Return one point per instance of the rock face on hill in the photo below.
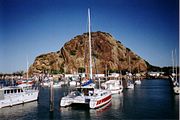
(107, 53)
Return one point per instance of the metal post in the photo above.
(51, 96)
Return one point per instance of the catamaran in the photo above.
(87, 94)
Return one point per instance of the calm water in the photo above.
(153, 99)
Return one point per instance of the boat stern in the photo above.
(65, 102)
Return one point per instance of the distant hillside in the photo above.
(74, 56)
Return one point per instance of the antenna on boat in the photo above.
(90, 57)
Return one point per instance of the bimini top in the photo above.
(87, 83)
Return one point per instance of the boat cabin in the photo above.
(86, 90)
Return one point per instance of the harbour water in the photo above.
(153, 99)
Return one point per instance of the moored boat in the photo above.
(87, 95)
(20, 94)
(115, 86)
(130, 85)
(137, 82)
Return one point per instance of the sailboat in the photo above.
(130, 84)
(87, 94)
(174, 78)
(26, 80)
(138, 75)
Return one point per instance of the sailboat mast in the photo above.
(175, 63)
(129, 64)
(90, 57)
(172, 62)
(27, 75)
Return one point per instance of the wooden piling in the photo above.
(51, 97)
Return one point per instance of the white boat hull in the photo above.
(96, 103)
(176, 90)
(138, 82)
(113, 85)
(19, 98)
(130, 86)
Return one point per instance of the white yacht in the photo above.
(115, 86)
(14, 95)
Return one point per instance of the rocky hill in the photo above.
(74, 56)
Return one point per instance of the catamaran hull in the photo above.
(96, 103)
(93, 102)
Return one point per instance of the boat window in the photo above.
(15, 90)
(8, 91)
(12, 91)
(18, 90)
(4, 91)
(21, 90)
(78, 93)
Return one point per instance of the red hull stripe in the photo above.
(103, 100)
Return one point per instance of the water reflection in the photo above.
(21, 111)
(117, 101)
(81, 112)
(101, 110)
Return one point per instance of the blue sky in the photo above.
(32, 27)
